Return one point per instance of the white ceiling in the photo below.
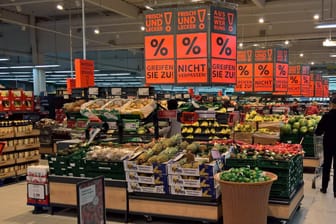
(35, 32)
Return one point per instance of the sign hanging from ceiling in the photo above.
(294, 80)
(84, 70)
(318, 85)
(160, 47)
(244, 71)
(325, 83)
(185, 45)
(311, 86)
(281, 70)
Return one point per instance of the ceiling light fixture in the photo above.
(60, 6)
(4, 59)
(301, 55)
(148, 7)
(241, 44)
(286, 42)
(312, 63)
(261, 20)
(316, 17)
(326, 25)
(329, 43)
(332, 55)
(142, 28)
(96, 31)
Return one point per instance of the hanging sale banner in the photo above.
(84, 70)
(281, 70)
(311, 86)
(223, 45)
(318, 85)
(191, 45)
(263, 77)
(305, 85)
(294, 80)
(325, 87)
(192, 19)
(160, 46)
(244, 71)
(244, 78)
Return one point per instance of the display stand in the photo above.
(63, 193)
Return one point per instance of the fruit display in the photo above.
(300, 124)
(141, 107)
(205, 130)
(253, 116)
(109, 153)
(73, 106)
(244, 175)
(244, 127)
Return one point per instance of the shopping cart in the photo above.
(318, 152)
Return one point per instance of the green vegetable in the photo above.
(244, 175)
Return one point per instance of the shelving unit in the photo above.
(21, 150)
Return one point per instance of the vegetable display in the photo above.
(244, 175)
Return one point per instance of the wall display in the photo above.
(180, 47)
(84, 73)
(244, 71)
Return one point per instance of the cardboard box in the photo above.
(146, 188)
(209, 169)
(195, 192)
(145, 178)
(157, 168)
(265, 139)
(191, 181)
(243, 136)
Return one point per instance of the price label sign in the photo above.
(318, 88)
(305, 85)
(116, 91)
(191, 45)
(281, 77)
(223, 46)
(192, 71)
(159, 47)
(294, 85)
(131, 125)
(223, 71)
(244, 56)
(160, 72)
(93, 91)
(263, 77)
(143, 91)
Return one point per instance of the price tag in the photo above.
(178, 96)
(143, 91)
(186, 96)
(93, 91)
(167, 96)
(131, 125)
(215, 154)
(112, 125)
(116, 91)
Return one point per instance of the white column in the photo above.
(39, 78)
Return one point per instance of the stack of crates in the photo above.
(108, 169)
(289, 172)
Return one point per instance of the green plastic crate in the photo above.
(236, 163)
(115, 167)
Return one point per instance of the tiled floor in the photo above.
(315, 208)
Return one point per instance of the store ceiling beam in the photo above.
(117, 6)
(8, 15)
(259, 3)
(27, 3)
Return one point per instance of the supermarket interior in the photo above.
(167, 111)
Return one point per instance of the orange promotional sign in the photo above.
(263, 55)
(325, 88)
(244, 56)
(84, 70)
(223, 71)
(160, 72)
(159, 22)
(281, 77)
(223, 46)
(71, 83)
(159, 47)
(224, 20)
(305, 85)
(244, 78)
(311, 86)
(191, 45)
(192, 71)
(263, 77)
(191, 19)
(294, 69)
(294, 85)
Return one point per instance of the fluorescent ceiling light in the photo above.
(329, 43)
(316, 17)
(148, 7)
(96, 31)
(261, 20)
(4, 59)
(22, 66)
(4, 73)
(65, 71)
(46, 66)
(60, 6)
(325, 25)
(21, 73)
(332, 55)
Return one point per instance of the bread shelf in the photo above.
(27, 146)
(28, 159)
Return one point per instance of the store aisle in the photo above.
(315, 208)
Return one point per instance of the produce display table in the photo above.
(63, 194)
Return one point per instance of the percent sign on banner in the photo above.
(191, 45)
(263, 77)
(223, 46)
(159, 47)
(244, 78)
